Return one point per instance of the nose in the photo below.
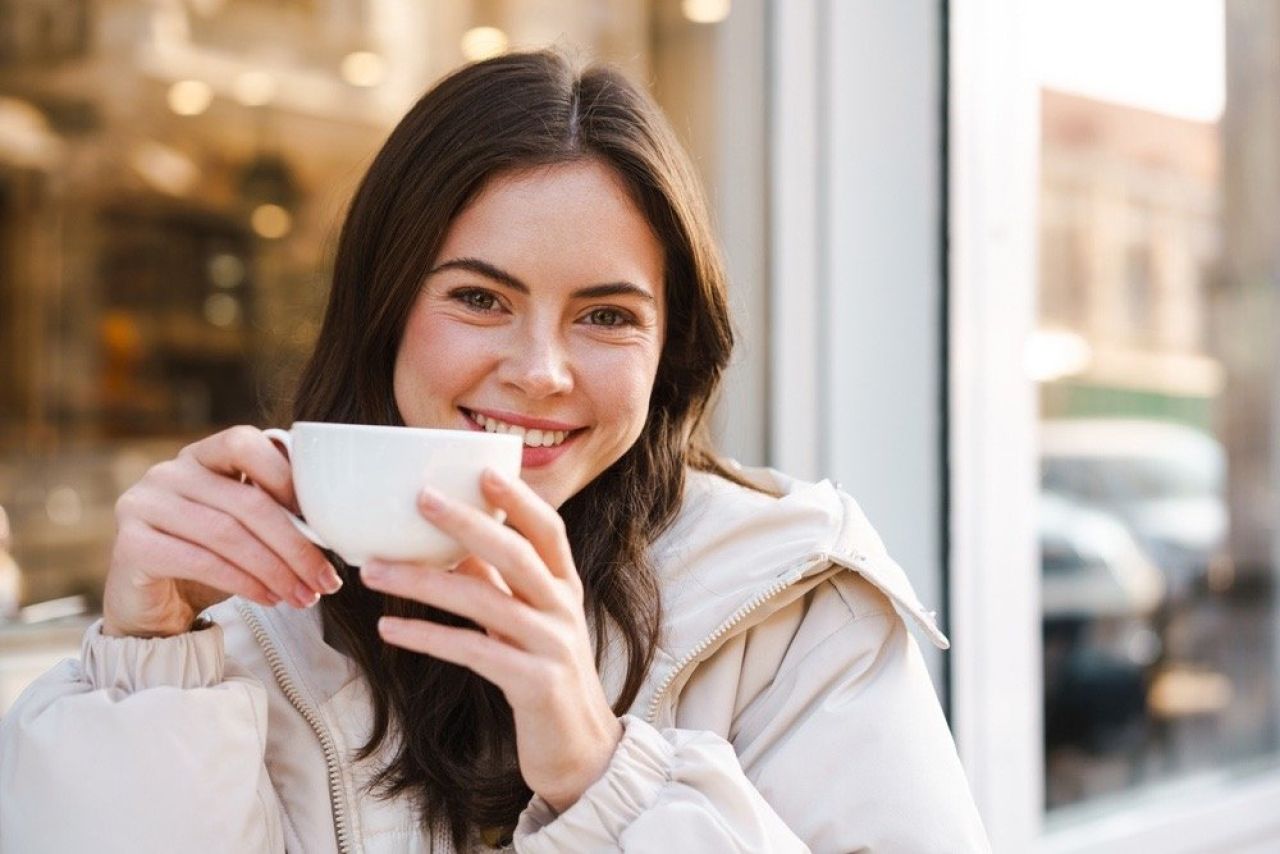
(538, 364)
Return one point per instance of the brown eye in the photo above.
(476, 299)
(609, 317)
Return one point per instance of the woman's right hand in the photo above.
(193, 532)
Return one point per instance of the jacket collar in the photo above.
(730, 545)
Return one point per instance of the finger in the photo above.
(495, 661)
(225, 536)
(477, 600)
(261, 515)
(192, 562)
(481, 535)
(475, 568)
(533, 517)
(245, 450)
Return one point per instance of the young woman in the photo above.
(657, 652)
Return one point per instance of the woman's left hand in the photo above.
(536, 646)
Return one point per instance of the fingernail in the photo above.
(332, 582)
(373, 571)
(389, 625)
(429, 499)
(305, 596)
(495, 478)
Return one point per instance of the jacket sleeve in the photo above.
(141, 745)
(846, 749)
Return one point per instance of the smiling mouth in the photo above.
(532, 437)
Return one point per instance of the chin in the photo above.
(549, 489)
(549, 493)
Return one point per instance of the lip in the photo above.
(531, 458)
(523, 420)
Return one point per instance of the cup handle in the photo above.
(283, 438)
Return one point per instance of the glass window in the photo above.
(1160, 151)
(172, 179)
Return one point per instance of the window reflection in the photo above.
(1156, 358)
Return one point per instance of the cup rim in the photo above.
(393, 429)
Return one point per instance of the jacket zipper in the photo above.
(336, 800)
(733, 619)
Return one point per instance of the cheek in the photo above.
(621, 385)
(436, 361)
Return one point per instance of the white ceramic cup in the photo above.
(358, 485)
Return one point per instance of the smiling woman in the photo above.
(658, 650)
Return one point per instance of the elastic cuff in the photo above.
(640, 767)
(190, 660)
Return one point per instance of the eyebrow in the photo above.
(502, 277)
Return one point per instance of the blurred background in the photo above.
(1006, 270)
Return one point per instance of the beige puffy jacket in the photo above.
(788, 710)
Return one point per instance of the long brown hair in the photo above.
(453, 732)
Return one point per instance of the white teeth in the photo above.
(531, 438)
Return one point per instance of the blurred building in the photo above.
(1131, 232)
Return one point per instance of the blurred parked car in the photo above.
(1092, 566)
(1163, 480)
(1099, 592)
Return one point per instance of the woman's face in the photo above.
(543, 314)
